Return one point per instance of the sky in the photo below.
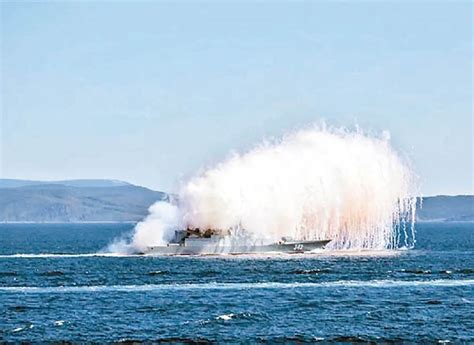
(151, 92)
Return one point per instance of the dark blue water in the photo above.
(426, 294)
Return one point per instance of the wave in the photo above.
(292, 339)
(59, 255)
(313, 271)
(225, 317)
(315, 253)
(235, 316)
(237, 286)
(19, 329)
(465, 271)
(52, 273)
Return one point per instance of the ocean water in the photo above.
(56, 286)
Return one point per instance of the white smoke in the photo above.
(315, 183)
(158, 227)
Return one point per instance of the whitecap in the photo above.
(18, 329)
(225, 317)
(238, 286)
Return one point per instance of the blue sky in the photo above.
(150, 92)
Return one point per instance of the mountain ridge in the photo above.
(82, 201)
(15, 183)
(101, 200)
(445, 208)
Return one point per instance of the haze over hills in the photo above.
(119, 201)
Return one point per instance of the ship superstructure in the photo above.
(196, 241)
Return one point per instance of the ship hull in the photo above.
(210, 249)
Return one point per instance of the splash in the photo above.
(315, 183)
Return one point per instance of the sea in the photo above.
(58, 283)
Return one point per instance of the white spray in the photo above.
(313, 184)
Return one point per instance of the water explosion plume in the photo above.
(315, 183)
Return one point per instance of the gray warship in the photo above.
(209, 242)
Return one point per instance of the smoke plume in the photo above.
(315, 183)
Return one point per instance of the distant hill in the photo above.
(118, 201)
(74, 201)
(446, 208)
(12, 183)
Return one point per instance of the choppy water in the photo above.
(54, 286)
